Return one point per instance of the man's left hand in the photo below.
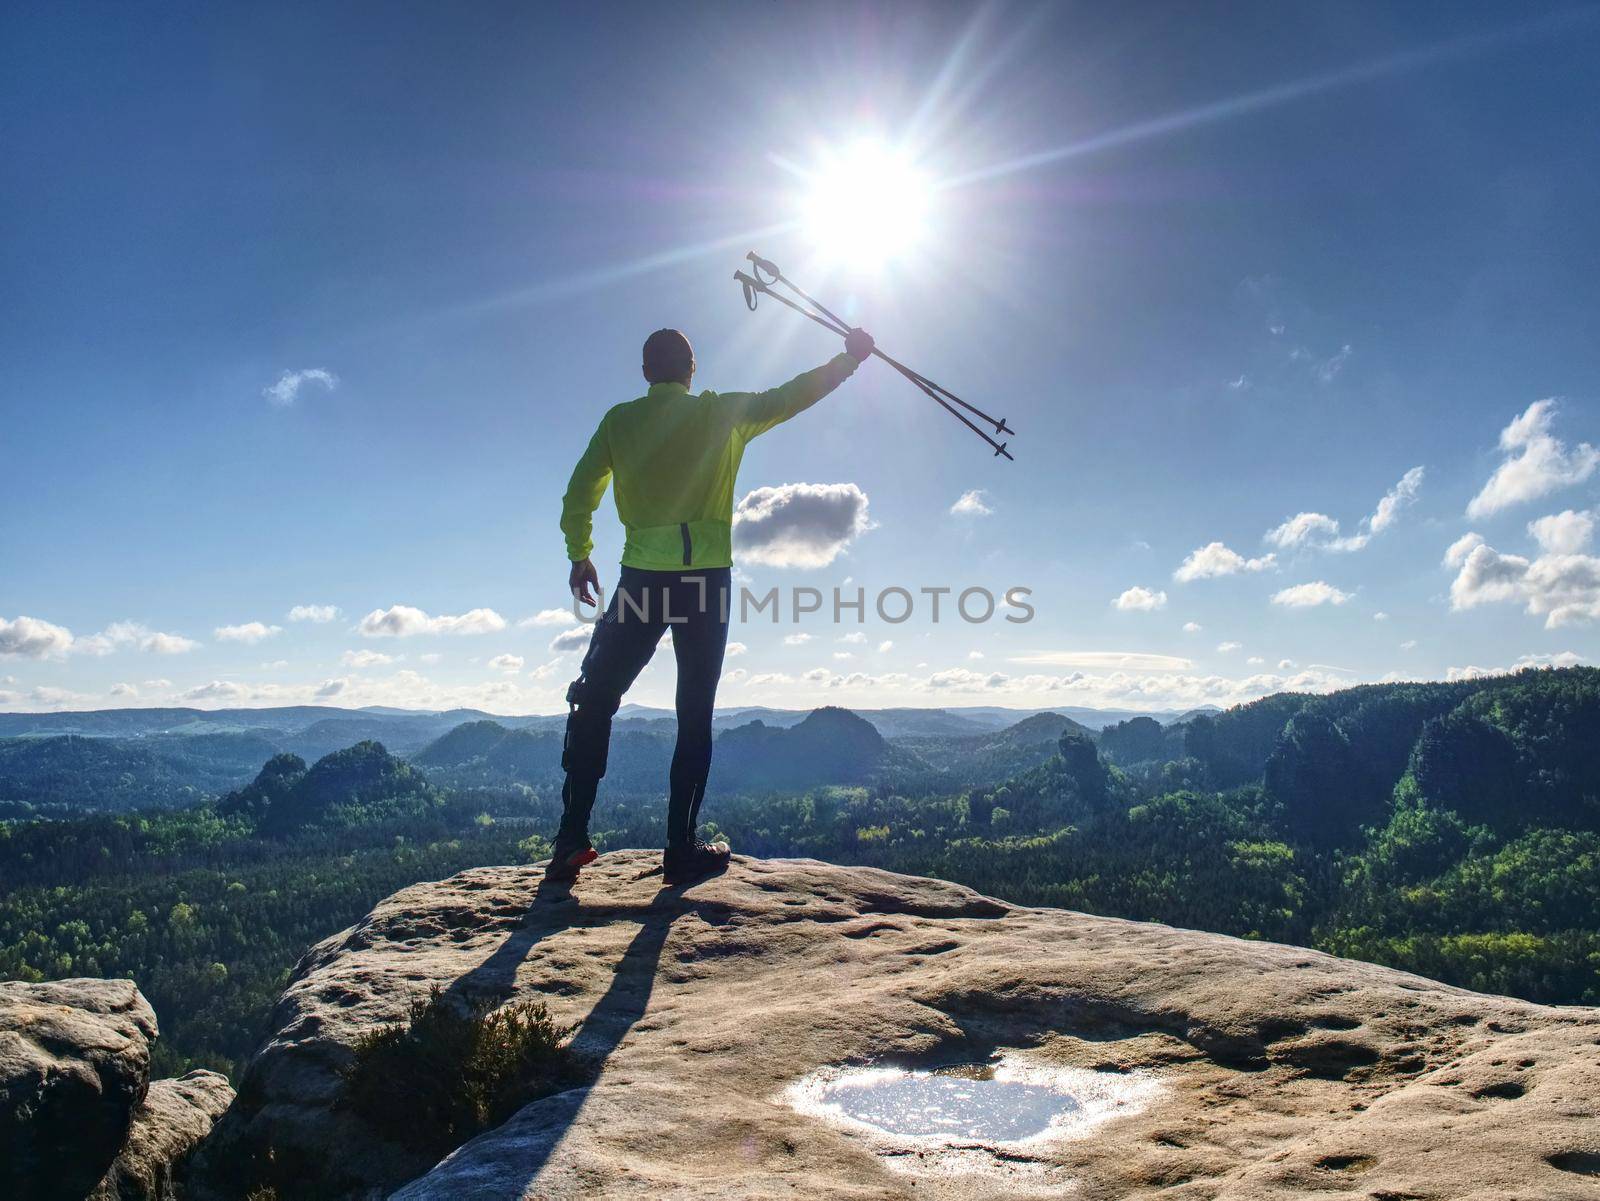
(584, 581)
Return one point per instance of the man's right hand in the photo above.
(584, 582)
(858, 344)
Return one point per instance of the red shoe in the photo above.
(565, 861)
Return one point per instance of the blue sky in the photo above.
(312, 308)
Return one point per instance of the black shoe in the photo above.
(567, 857)
(696, 861)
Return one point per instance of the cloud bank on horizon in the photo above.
(807, 527)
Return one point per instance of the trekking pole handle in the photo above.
(760, 264)
(750, 289)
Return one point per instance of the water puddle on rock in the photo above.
(996, 1119)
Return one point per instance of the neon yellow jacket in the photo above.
(675, 458)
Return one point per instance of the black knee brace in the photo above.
(588, 737)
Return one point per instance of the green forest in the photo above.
(1450, 829)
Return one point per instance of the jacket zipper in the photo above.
(688, 546)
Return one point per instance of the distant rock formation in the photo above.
(1282, 1072)
(78, 1115)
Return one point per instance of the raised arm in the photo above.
(758, 412)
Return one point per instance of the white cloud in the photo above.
(1564, 533)
(1140, 600)
(1119, 689)
(1330, 367)
(1104, 660)
(1410, 644)
(796, 639)
(365, 658)
(1318, 531)
(1560, 659)
(1472, 672)
(974, 654)
(1485, 576)
(1380, 615)
(1463, 546)
(319, 614)
(843, 655)
(287, 390)
(430, 658)
(275, 665)
(574, 639)
(974, 503)
(855, 637)
(1402, 494)
(1227, 648)
(771, 677)
(734, 649)
(962, 678)
(799, 525)
(511, 663)
(403, 621)
(1562, 588)
(1215, 559)
(33, 638)
(1255, 661)
(886, 645)
(216, 690)
(1536, 463)
(1192, 627)
(168, 644)
(1304, 596)
(548, 617)
(405, 689)
(44, 696)
(1304, 529)
(1287, 665)
(249, 633)
(124, 691)
(130, 633)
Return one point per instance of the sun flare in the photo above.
(866, 205)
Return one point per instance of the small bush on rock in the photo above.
(453, 1070)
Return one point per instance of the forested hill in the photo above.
(1449, 829)
(1340, 754)
(1511, 752)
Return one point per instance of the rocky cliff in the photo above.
(1233, 1069)
(79, 1118)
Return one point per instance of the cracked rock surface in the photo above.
(170, 1123)
(74, 1065)
(1283, 1072)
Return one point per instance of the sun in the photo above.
(866, 206)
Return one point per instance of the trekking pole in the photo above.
(755, 286)
(759, 264)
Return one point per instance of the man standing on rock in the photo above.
(674, 457)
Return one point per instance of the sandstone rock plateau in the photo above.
(1267, 1071)
(79, 1117)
